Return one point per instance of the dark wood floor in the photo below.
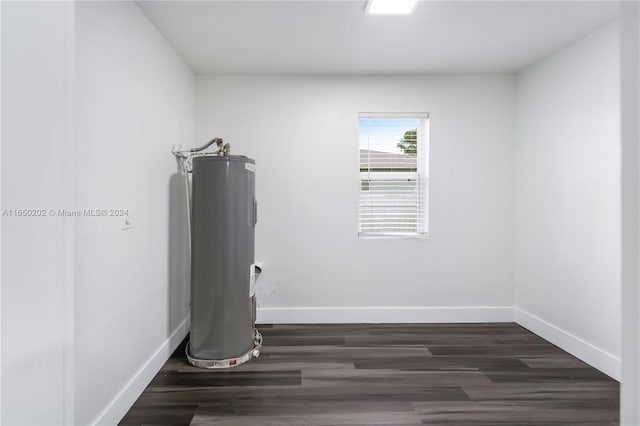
(386, 374)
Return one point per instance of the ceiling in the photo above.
(336, 37)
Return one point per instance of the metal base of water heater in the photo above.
(230, 362)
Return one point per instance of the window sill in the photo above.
(424, 236)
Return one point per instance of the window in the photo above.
(394, 175)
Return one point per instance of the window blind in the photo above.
(393, 174)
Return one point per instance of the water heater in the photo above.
(223, 221)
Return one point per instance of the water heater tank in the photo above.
(223, 220)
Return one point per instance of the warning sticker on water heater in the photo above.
(250, 167)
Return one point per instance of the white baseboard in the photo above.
(118, 407)
(416, 314)
(580, 348)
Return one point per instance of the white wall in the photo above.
(89, 311)
(135, 100)
(568, 199)
(37, 47)
(303, 133)
(630, 129)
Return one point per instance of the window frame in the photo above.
(421, 177)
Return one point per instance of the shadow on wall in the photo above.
(178, 296)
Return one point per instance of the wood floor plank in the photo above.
(307, 340)
(446, 363)
(393, 377)
(371, 418)
(385, 374)
(326, 330)
(533, 375)
(160, 415)
(554, 361)
(516, 350)
(520, 412)
(579, 390)
(277, 407)
(227, 378)
(410, 391)
(269, 364)
(346, 351)
(313, 412)
(448, 340)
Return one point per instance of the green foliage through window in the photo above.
(409, 142)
